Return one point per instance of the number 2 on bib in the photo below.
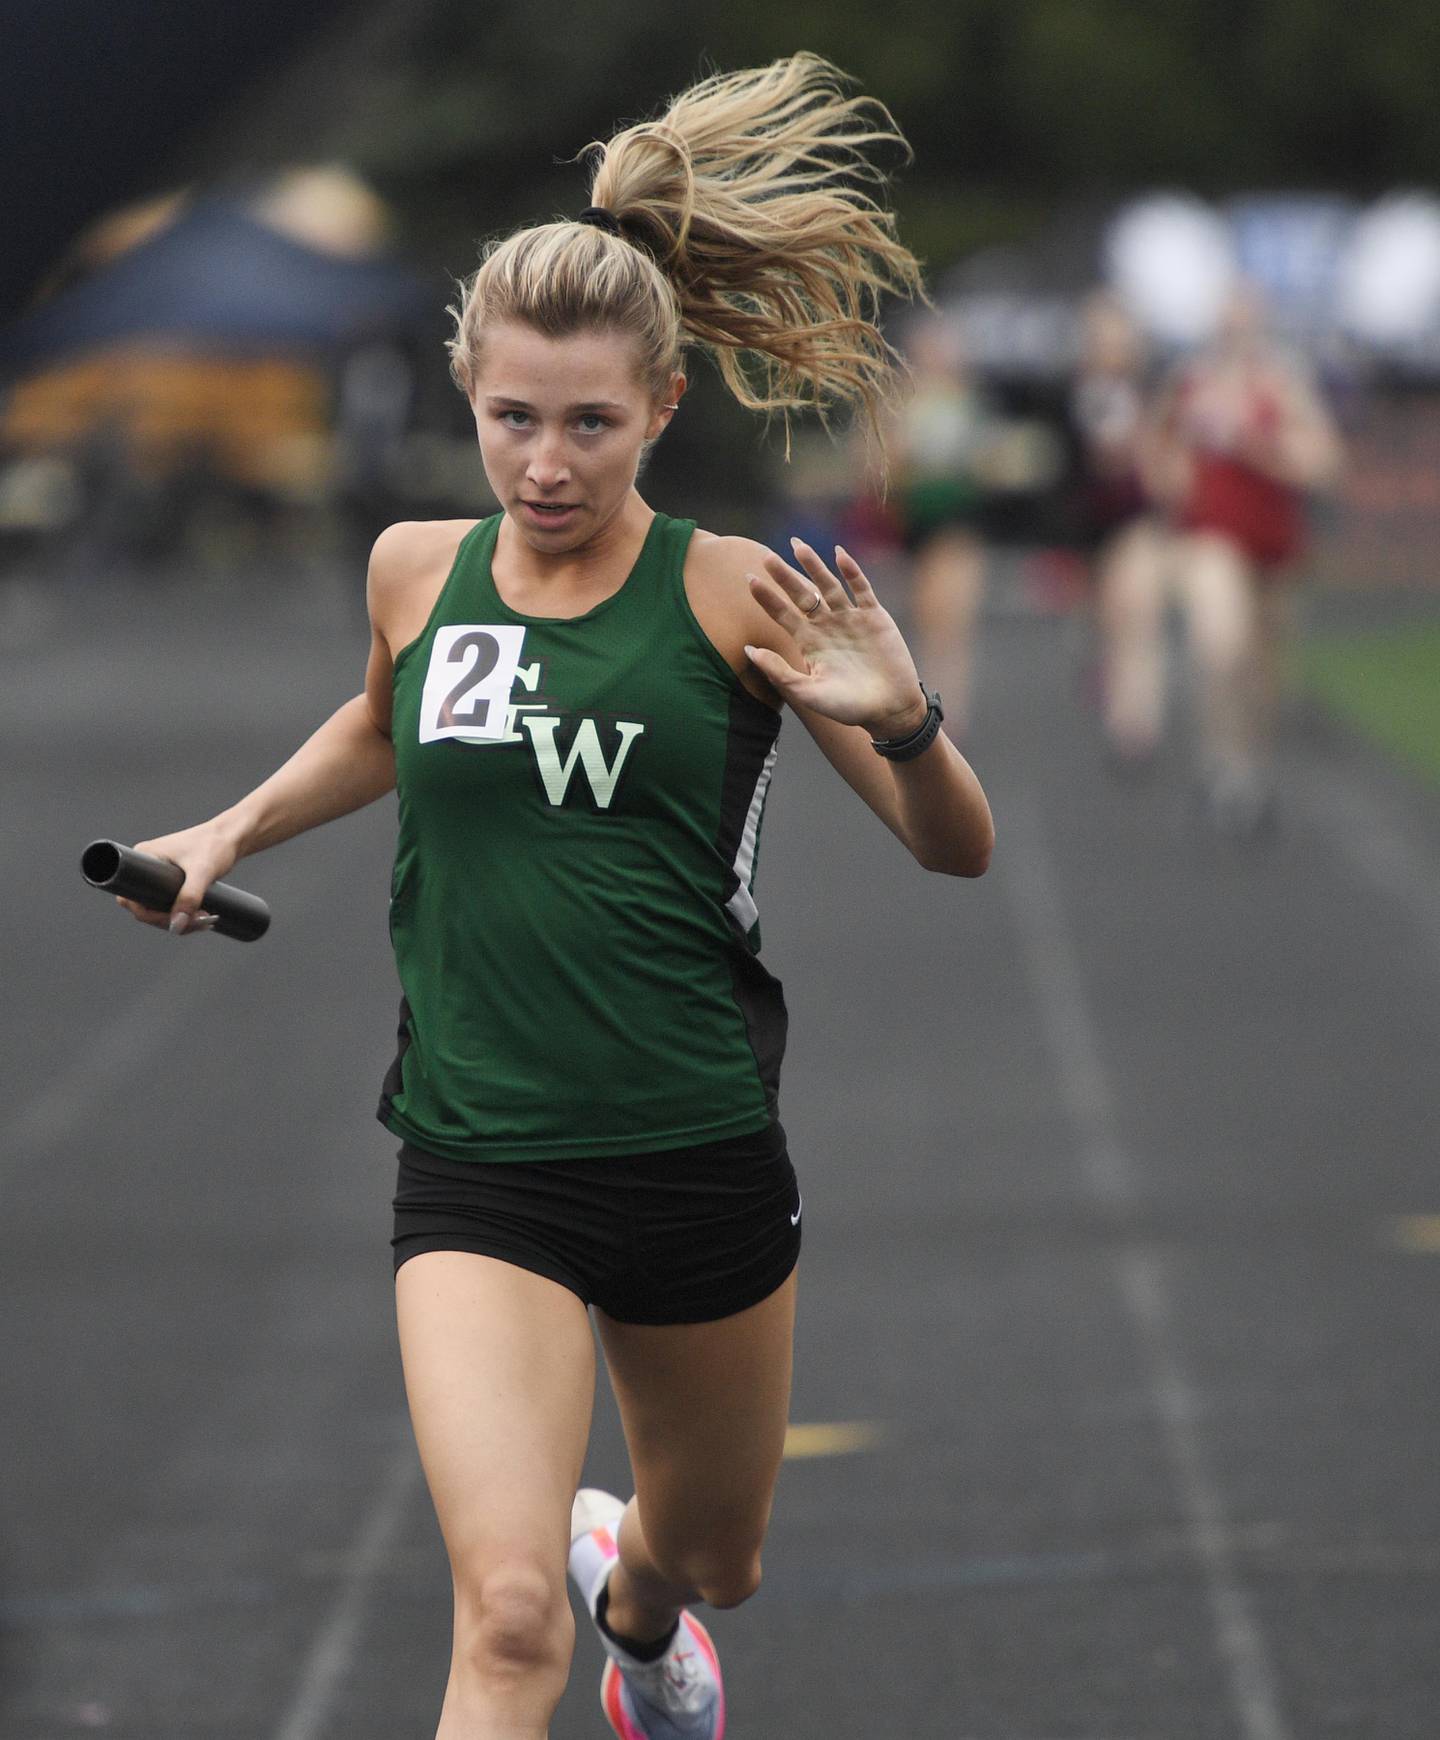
(468, 684)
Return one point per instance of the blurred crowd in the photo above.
(1175, 492)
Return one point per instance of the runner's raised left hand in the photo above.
(857, 668)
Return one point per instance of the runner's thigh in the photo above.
(500, 1372)
(705, 1406)
(1217, 590)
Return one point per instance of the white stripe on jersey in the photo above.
(741, 904)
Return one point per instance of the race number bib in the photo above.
(472, 674)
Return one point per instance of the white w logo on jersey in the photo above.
(585, 751)
(479, 709)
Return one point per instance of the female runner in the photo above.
(578, 700)
(1240, 436)
(940, 444)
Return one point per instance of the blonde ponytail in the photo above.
(745, 227)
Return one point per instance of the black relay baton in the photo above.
(154, 882)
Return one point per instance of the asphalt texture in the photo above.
(1112, 1167)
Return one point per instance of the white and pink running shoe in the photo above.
(678, 1697)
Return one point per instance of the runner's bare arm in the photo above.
(934, 805)
(856, 680)
(347, 763)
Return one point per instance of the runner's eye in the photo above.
(514, 419)
(591, 423)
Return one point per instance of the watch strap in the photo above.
(920, 739)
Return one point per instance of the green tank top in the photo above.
(571, 909)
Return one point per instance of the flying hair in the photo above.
(750, 223)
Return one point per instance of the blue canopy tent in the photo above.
(118, 372)
(219, 280)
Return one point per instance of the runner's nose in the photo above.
(548, 468)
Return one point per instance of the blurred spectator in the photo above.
(1116, 523)
(938, 448)
(1238, 436)
(1107, 405)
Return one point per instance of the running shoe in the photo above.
(678, 1697)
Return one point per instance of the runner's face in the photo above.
(562, 422)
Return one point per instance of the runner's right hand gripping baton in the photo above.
(154, 882)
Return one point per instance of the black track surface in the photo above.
(1101, 1155)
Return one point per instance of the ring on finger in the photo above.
(813, 605)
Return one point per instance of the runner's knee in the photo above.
(512, 1622)
(723, 1581)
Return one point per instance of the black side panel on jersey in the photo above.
(394, 1076)
(762, 1002)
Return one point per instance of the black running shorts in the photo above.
(685, 1236)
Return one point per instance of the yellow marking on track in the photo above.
(1418, 1233)
(835, 1438)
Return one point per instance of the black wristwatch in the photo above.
(920, 739)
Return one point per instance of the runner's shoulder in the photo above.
(716, 579)
(408, 565)
(720, 564)
(411, 549)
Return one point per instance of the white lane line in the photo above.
(1252, 1676)
(333, 1652)
(1072, 1038)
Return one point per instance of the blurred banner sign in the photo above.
(1291, 247)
